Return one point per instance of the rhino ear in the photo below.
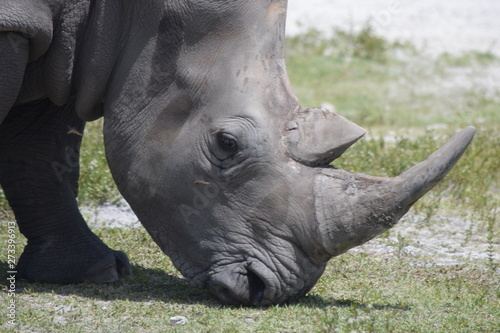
(98, 57)
(319, 136)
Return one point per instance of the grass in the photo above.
(356, 293)
(94, 169)
(385, 88)
(396, 87)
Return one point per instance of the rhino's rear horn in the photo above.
(319, 136)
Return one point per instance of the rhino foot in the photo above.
(113, 269)
(74, 260)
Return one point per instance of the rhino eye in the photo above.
(227, 143)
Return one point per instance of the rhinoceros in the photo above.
(204, 137)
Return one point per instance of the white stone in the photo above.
(178, 320)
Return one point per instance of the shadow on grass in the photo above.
(144, 285)
(147, 284)
(316, 301)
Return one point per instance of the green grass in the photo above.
(382, 87)
(94, 168)
(402, 91)
(356, 293)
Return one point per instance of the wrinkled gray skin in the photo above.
(204, 137)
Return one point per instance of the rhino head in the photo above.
(227, 172)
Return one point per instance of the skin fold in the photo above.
(203, 135)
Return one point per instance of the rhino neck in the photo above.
(100, 49)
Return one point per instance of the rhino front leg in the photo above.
(39, 154)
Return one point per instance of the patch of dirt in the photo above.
(111, 216)
(442, 241)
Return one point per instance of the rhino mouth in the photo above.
(248, 283)
(252, 283)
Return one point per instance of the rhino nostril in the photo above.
(224, 293)
(238, 285)
(256, 288)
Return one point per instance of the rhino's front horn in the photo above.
(353, 208)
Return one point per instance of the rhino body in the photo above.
(204, 138)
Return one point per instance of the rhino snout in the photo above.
(243, 284)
